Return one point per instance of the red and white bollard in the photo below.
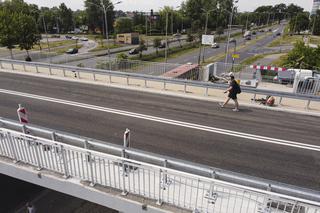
(22, 115)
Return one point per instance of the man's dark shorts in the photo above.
(233, 96)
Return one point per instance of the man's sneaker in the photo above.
(221, 105)
(235, 110)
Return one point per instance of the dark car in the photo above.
(254, 33)
(72, 51)
(68, 37)
(162, 45)
(261, 31)
(134, 51)
(232, 40)
(278, 34)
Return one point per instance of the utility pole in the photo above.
(166, 50)
(229, 32)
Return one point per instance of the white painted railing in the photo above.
(161, 184)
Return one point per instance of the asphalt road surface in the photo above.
(248, 155)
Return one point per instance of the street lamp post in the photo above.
(205, 32)
(229, 31)
(166, 50)
(104, 8)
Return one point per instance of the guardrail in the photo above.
(158, 183)
(146, 78)
(162, 161)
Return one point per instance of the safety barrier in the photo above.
(161, 184)
(62, 69)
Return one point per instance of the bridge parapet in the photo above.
(160, 185)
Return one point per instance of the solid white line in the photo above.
(168, 121)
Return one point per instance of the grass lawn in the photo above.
(286, 40)
(54, 44)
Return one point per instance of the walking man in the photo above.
(232, 91)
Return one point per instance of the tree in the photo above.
(299, 23)
(95, 15)
(123, 25)
(303, 56)
(142, 47)
(315, 23)
(8, 30)
(156, 44)
(66, 17)
(220, 31)
(27, 34)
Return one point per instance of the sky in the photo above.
(146, 5)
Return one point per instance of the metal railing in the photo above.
(151, 158)
(147, 78)
(158, 183)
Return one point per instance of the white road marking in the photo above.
(168, 121)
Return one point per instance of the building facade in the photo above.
(315, 7)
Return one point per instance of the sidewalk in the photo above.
(215, 95)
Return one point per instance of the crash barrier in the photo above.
(158, 183)
(154, 159)
(78, 72)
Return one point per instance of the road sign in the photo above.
(22, 114)
(235, 56)
(207, 39)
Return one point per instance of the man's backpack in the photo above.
(238, 89)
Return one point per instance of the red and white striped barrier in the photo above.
(260, 67)
(22, 115)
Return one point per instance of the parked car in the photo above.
(55, 36)
(75, 38)
(68, 37)
(254, 33)
(278, 34)
(215, 45)
(232, 40)
(72, 51)
(262, 31)
(134, 51)
(84, 39)
(162, 45)
(247, 38)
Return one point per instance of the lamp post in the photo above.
(104, 8)
(229, 31)
(205, 32)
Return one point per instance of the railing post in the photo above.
(12, 66)
(254, 97)
(37, 69)
(185, 88)
(124, 174)
(308, 104)
(280, 100)
(78, 74)
(110, 80)
(1, 66)
(50, 72)
(128, 80)
(94, 77)
(164, 85)
(91, 169)
(65, 162)
(13, 151)
(159, 200)
(24, 67)
(207, 91)
(145, 83)
(64, 72)
(37, 155)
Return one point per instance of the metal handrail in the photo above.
(206, 85)
(155, 159)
